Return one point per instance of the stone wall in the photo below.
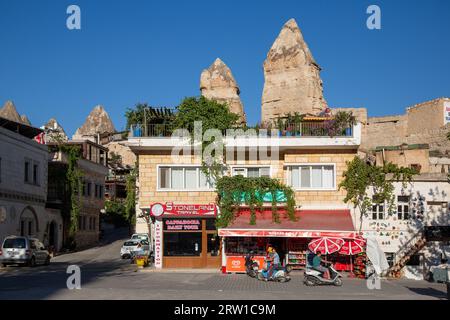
(425, 116)
(128, 157)
(422, 123)
(405, 158)
(149, 161)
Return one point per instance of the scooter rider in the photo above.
(316, 264)
(275, 263)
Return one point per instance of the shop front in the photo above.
(289, 238)
(185, 235)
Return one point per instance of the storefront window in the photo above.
(242, 246)
(213, 244)
(210, 224)
(182, 244)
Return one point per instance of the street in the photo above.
(105, 276)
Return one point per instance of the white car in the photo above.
(134, 245)
(141, 236)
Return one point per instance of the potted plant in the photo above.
(298, 119)
(344, 121)
(280, 126)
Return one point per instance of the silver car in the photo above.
(23, 250)
(132, 246)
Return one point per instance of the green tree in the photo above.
(362, 180)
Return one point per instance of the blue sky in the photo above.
(154, 51)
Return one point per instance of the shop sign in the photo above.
(182, 224)
(237, 263)
(285, 233)
(170, 208)
(158, 244)
(447, 114)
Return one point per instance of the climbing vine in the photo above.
(74, 176)
(234, 191)
(130, 201)
(361, 178)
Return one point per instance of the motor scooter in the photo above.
(279, 275)
(315, 278)
(251, 266)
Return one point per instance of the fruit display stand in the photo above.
(359, 265)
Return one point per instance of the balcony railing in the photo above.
(303, 129)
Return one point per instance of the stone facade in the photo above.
(23, 199)
(422, 123)
(118, 147)
(314, 199)
(393, 233)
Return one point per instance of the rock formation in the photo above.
(25, 120)
(9, 112)
(54, 131)
(292, 80)
(217, 82)
(98, 122)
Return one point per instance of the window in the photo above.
(27, 171)
(83, 187)
(403, 207)
(84, 222)
(96, 190)
(0, 169)
(182, 243)
(30, 228)
(36, 173)
(312, 177)
(183, 178)
(378, 212)
(213, 244)
(94, 223)
(100, 192)
(80, 224)
(251, 172)
(89, 186)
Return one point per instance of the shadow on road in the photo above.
(431, 292)
(43, 282)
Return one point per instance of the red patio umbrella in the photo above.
(352, 247)
(326, 245)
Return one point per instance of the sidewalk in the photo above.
(178, 270)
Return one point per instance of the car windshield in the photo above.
(17, 243)
(130, 243)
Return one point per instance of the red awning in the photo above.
(309, 224)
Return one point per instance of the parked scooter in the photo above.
(279, 275)
(251, 266)
(315, 278)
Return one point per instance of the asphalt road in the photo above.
(105, 276)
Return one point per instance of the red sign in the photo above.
(285, 233)
(170, 208)
(182, 224)
(237, 263)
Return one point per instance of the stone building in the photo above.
(175, 188)
(23, 186)
(426, 122)
(93, 163)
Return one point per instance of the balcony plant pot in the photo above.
(288, 133)
(279, 133)
(348, 132)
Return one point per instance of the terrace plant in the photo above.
(343, 120)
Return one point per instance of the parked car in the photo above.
(141, 236)
(24, 251)
(134, 245)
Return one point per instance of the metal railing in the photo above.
(303, 129)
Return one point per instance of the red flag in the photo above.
(40, 138)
